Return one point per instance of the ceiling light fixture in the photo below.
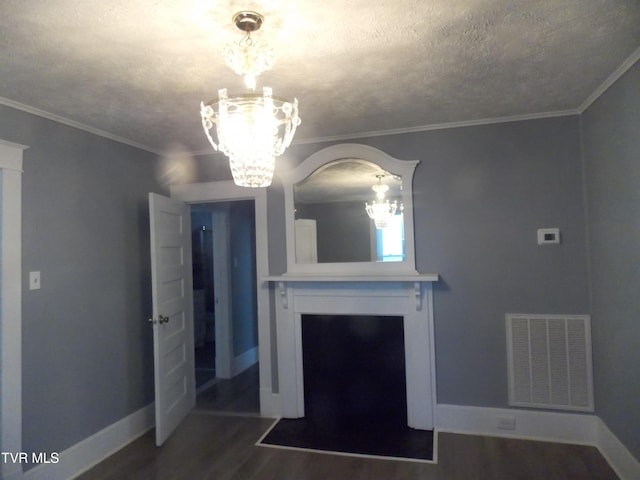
(247, 58)
(252, 128)
(381, 210)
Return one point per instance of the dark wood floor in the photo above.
(239, 395)
(208, 446)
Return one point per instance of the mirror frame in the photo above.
(404, 168)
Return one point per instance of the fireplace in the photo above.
(354, 369)
(404, 302)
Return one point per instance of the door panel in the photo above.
(172, 292)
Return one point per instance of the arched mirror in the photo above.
(349, 211)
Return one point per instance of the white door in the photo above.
(172, 290)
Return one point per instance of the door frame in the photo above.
(224, 191)
(11, 313)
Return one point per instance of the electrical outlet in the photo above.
(548, 236)
(506, 422)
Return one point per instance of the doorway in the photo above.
(209, 192)
(225, 306)
(203, 297)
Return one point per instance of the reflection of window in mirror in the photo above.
(390, 240)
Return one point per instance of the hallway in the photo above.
(239, 395)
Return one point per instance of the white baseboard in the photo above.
(92, 450)
(276, 406)
(620, 459)
(533, 425)
(267, 404)
(576, 428)
(244, 361)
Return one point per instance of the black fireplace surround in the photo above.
(354, 371)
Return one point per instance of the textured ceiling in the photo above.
(138, 69)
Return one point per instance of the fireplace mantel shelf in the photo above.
(417, 279)
(298, 278)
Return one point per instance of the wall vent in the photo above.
(549, 361)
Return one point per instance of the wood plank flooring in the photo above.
(208, 446)
(239, 395)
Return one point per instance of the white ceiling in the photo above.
(136, 70)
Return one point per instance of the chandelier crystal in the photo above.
(381, 210)
(251, 128)
(248, 59)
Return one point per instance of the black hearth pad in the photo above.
(376, 439)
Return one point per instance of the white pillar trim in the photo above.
(11, 305)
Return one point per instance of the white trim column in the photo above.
(11, 305)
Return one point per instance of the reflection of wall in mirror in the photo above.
(343, 230)
(306, 238)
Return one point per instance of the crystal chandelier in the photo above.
(246, 57)
(381, 210)
(252, 128)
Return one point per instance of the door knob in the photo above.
(161, 319)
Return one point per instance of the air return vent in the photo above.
(549, 361)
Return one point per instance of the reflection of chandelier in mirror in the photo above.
(381, 210)
(252, 128)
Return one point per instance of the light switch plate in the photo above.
(548, 236)
(34, 280)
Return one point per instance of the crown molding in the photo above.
(611, 79)
(72, 123)
(438, 126)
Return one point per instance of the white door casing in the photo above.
(172, 291)
(224, 191)
(11, 305)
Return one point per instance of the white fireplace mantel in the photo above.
(283, 281)
(407, 295)
(311, 277)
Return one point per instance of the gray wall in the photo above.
(611, 138)
(87, 348)
(480, 194)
